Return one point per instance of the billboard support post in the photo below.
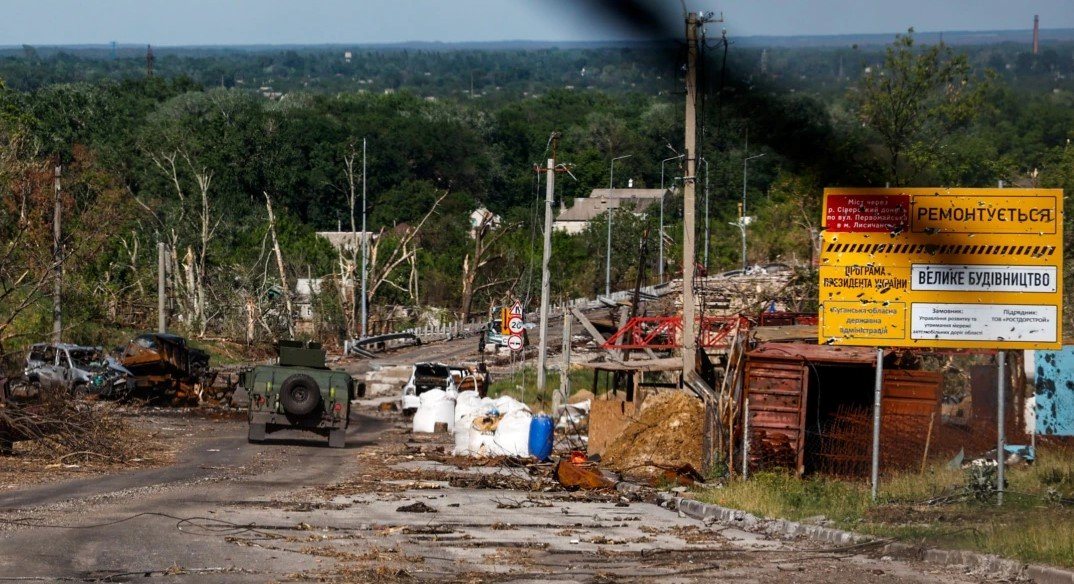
(1001, 438)
(876, 420)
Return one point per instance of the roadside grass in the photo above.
(522, 385)
(1035, 524)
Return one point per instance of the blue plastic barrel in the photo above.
(541, 429)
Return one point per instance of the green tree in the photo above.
(916, 98)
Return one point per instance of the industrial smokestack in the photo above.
(1036, 33)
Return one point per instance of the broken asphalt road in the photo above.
(293, 511)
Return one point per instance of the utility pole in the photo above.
(663, 195)
(689, 324)
(162, 319)
(546, 290)
(705, 160)
(742, 208)
(57, 264)
(608, 255)
(564, 375)
(365, 252)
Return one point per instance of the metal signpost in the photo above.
(516, 326)
(943, 268)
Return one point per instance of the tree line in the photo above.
(178, 159)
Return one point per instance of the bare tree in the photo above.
(404, 253)
(485, 236)
(283, 273)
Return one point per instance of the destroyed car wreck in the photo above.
(164, 366)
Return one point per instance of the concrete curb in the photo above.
(986, 565)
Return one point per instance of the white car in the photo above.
(426, 376)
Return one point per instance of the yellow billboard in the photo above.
(947, 268)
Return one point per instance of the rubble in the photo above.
(574, 476)
(666, 434)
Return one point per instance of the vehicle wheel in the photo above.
(300, 394)
(79, 391)
(337, 438)
(257, 433)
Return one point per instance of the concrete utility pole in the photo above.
(549, 193)
(365, 252)
(608, 255)
(162, 319)
(57, 263)
(689, 324)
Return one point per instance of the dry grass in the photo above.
(1036, 523)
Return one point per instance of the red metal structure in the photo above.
(665, 332)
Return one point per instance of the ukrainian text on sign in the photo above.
(966, 268)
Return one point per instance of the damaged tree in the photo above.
(405, 252)
(485, 236)
(290, 319)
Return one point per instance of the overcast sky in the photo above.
(196, 22)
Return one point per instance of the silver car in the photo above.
(74, 368)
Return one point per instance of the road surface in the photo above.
(390, 507)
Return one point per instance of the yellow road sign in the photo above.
(950, 268)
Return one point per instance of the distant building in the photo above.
(481, 216)
(575, 219)
(305, 290)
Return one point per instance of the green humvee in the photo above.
(299, 391)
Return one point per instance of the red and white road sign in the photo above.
(514, 342)
(516, 309)
(516, 325)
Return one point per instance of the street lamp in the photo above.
(742, 214)
(608, 255)
(741, 224)
(662, 193)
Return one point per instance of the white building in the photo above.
(575, 219)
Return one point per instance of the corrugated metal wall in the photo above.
(778, 393)
(777, 396)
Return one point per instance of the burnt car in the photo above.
(165, 365)
(76, 369)
(424, 377)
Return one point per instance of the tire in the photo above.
(257, 433)
(337, 438)
(300, 394)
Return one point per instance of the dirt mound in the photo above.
(580, 396)
(666, 434)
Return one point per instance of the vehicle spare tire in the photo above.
(300, 394)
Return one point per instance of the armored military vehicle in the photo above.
(299, 391)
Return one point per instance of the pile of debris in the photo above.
(58, 429)
(665, 435)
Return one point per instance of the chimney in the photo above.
(1036, 33)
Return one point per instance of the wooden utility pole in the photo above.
(689, 323)
(564, 376)
(57, 263)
